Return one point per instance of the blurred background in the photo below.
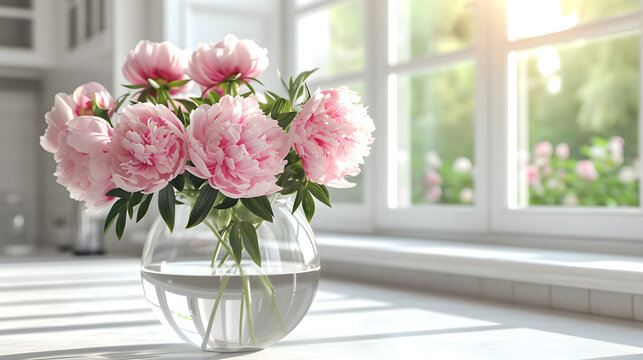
(568, 72)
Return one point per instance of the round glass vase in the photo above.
(218, 304)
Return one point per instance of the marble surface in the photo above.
(93, 308)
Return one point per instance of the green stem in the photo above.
(246, 293)
(225, 257)
(221, 241)
(216, 254)
(206, 336)
(241, 319)
(268, 288)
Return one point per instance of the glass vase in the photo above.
(217, 303)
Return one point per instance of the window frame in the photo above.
(490, 215)
(583, 222)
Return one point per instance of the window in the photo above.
(332, 36)
(493, 116)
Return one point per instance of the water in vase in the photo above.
(249, 315)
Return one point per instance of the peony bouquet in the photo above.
(230, 148)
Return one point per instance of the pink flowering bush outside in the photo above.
(236, 147)
(225, 154)
(602, 177)
(332, 135)
(445, 182)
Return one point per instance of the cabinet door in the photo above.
(189, 22)
(18, 161)
(26, 38)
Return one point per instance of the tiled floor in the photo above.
(94, 309)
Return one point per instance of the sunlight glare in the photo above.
(527, 18)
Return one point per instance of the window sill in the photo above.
(593, 271)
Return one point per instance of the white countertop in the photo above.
(93, 308)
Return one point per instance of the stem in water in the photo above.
(206, 336)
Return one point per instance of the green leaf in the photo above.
(142, 210)
(252, 89)
(177, 83)
(259, 206)
(285, 119)
(119, 193)
(308, 204)
(120, 223)
(308, 95)
(320, 192)
(153, 83)
(226, 203)
(298, 198)
(163, 96)
(202, 206)
(280, 106)
(178, 183)
(130, 86)
(301, 78)
(189, 105)
(136, 198)
(120, 101)
(198, 101)
(236, 243)
(253, 79)
(272, 94)
(196, 181)
(130, 209)
(133, 201)
(116, 209)
(166, 205)
(214, 97)
(250, 241)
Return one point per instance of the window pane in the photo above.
(332, 39)
(528, 18)
(25, 4)
(302, 3)
(15, 32)
(577, 111)
(433, 27)
(435, 136)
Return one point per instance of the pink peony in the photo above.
(561, 172)
(615, 149)
(149, 148)
(562, 151)
(533, 176)
(67, 107)
(84, 96)
(210, 64)
(332, 135)
(586, 170)
(433, 194)
(236, 147)
(162, 62)
(433, 178)
(83, 162)
(543, 149)
(57, 119)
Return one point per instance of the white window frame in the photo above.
(489, 217)
(583, 222)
